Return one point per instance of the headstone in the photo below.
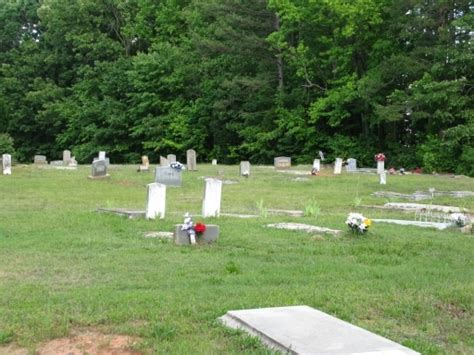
(211, 205)
(171, 158)
(145, 164)
(66, 157)
(40, 160)
(211, 234)
(338, 166)
(156, 201)
(73, 162)
(107, 160)
(56, 163)
(164, 162)
(282, 162)
(305, 330)
(99, 169)
(168, 176)
(245, 168)
(214, 161)
(191, 160)
(380, 166)
(351, 164)
(321, 155)
(101, 155)
(383, 178)
(317, 164)
(7, 164)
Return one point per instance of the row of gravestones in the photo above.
(285, 162)
(156, 199)
(68, 160)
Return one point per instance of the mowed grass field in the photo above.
(64, 267)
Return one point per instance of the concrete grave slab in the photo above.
(437, 225)
(420, 206)
(124, 212)
(303, 227)
(305, 330)
(292, 213)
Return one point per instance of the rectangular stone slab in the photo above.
(305, 330)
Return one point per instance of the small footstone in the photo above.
(305, 330)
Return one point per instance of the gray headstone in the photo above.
(351, 164)
(191, 164)
(321, 155)
(168, 176)
(164, 162)
(156, 201)
(107, 160)
(40, 160)
(56, 163)
(211, 205)
(99, 169)
(209, 236)
(305, 330)
(7, 164)
(171, 158)
(282, 162)
(66, 157)
(244, 168)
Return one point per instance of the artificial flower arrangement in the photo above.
(380, 157)
(460, 219)
(357, 223)
(177, 166)
(192, 229)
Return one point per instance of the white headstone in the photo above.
(380, 167)
(214, 161)
(101, 155)
(66, 157)
(211, 206)
(245, 168)
(282, 162)
(7, 164)
(383, 178)
(351, 164)
(171, 158)
(317, 164)
(156, 201)
(338, 166)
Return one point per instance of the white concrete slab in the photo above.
(437, 225)
(305, 330)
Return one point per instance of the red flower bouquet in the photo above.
(200, 228)
(380, 157)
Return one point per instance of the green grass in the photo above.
(65, 267)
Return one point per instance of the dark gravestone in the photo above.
(209, 236)
(99, 170)
(168, 176)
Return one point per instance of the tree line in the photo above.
(240, 79)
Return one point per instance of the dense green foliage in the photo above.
(240, 79)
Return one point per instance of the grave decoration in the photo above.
(460, 219)
(199, 233)
(357, 223)
(380, 157)
(177, 166)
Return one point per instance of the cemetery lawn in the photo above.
(65, 268)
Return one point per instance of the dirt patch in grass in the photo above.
(90, 342)
(451, 309)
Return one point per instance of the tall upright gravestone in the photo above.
(317, 164)
(164, 162)
(351, 164)
(66, 157)
(338, 166)
(380, 167)
(211, 205)
(156, 201)
(7, 164)
(145, 166)
(171, 158)
(245, 168)
(191, 160)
